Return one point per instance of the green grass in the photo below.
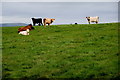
(61, 51)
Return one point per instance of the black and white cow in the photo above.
(37, 21)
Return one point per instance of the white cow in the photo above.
(93, 19)
(24, 32)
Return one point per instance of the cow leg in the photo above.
(49, 25)
(44, 24)
(33, 24)
(96, 22)
(89, 22)
(39, 24)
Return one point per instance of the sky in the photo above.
(60, 0)
(67, 12)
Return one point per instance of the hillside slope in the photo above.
(61, 51)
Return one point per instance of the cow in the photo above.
(30, 27)
(37, 21)
(93, 19)
(47, 21)
(24, 32)
(75, 23)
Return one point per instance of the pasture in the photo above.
(62, 51)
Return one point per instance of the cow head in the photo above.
(52, 20)
(31, 27)
(88, 18)
(33, 18)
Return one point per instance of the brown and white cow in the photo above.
(48, 21)
(30, 27)
(24, 32)
(93, 19)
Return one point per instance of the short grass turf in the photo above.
(61, 51)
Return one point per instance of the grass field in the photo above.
(62, 51)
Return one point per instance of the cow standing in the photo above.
(37, 21)
(93, 19)
(47, 21)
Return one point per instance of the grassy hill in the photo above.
(61, 51)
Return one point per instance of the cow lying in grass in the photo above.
(24, 32)
(30, 27)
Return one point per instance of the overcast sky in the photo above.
(60, 0)
(63, 12)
